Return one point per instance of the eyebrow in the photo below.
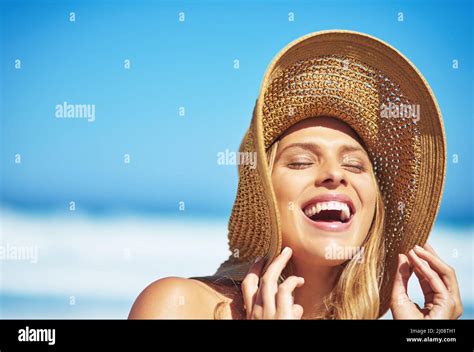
(315, 148)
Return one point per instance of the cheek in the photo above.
(288, 189)
(368, 194)
(287, 186)
(366, 190)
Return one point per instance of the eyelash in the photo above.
(299, 165)
(359, 168)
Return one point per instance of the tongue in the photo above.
(327, 216)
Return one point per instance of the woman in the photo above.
(334, 220)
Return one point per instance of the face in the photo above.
(325, 190)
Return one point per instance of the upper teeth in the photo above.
(316, 209)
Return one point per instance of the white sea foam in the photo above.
(114, 259)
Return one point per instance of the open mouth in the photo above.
(329, 211)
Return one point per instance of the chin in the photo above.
(323, 247)
(320, 252)
(313, 256)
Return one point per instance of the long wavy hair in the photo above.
(355, 294)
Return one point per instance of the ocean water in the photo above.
(85, 267)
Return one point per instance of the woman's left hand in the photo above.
(437, 280)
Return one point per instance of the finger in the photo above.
(249, 285)
(285, 300)
(447, 273)
(297, 311)
(430, 249)
(436, 305)
(400, 284)
(269, 282)
(429, 274)
(444, 270)
(401, 305)
(425, 285)
(257, 310)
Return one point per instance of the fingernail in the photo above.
(418, 247)
(256, 260)
(285, 250)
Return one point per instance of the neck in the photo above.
(319, 282)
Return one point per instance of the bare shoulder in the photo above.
(178, 298)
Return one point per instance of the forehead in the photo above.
(323, 128)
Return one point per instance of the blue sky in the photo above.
(187, 64)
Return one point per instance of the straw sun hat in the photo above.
(379, 93)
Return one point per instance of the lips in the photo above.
(330, 212)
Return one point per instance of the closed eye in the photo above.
(299, 165)
(354, 167)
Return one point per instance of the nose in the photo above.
(331, 175)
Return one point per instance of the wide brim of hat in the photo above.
(254, 226)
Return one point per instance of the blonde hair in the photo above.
(356, 292)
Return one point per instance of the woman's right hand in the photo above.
(264, 298)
